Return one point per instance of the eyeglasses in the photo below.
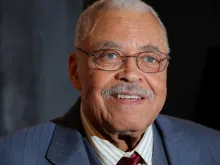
(112, 60)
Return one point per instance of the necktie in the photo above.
(133, 160)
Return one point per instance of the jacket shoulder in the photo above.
(26, 144)
(172, 124)
(191, 133)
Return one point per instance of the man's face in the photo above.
(130, 31)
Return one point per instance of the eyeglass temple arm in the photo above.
(83, 51)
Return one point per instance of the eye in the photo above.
(108, 57)
(149, 59)
(111, 55)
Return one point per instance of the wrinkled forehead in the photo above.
(127, 29)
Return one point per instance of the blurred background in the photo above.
(36, 37)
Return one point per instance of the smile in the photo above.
(122, 96)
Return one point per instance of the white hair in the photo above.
(85, 20)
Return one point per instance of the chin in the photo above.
(126, 125)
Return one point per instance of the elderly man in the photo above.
(120, 68)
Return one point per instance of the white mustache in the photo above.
(128, 88)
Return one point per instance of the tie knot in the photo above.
(133, 160)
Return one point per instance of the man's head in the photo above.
(127, 98)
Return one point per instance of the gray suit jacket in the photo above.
(63, 142)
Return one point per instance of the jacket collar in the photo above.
(159, 155)
(67, 146)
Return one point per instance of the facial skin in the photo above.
(121, 122)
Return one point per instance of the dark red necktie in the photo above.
(133, 160)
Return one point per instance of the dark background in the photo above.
(36, 37)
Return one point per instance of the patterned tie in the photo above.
(133, 160)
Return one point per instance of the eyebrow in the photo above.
(152, 48)
(149, 47)
(106, 45)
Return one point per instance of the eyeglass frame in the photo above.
(135, 56)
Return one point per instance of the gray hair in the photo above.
(85, 19)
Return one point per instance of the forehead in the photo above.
(127, 29)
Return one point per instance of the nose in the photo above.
(130, 72)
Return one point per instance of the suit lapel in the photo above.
(93, 157)
(67, 148)
(159, 156)
(181, 148)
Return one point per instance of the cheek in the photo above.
(91, 95)
(158, 83)
(95, 80)
(90, 76)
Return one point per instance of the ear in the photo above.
(72, 67)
